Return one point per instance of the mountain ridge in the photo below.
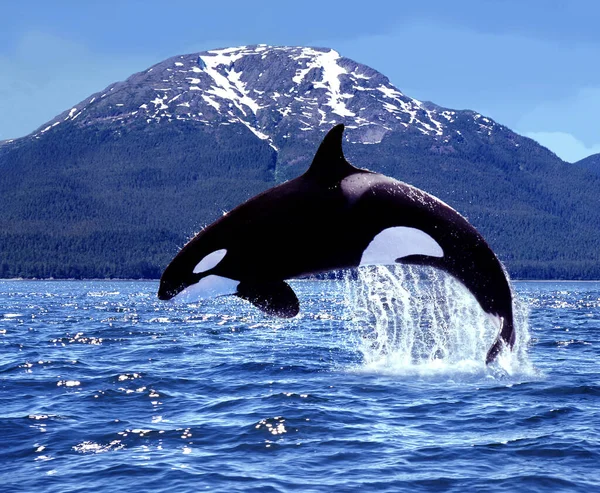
(591, 163)
(213, 76)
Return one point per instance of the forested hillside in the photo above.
(120, 205)
(591, 163)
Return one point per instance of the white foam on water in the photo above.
(407, 320)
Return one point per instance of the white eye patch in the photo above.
(210, 261)
(398, 242)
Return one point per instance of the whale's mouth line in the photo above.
(166, 292)
(210, 286)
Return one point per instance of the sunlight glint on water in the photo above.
(418, 320)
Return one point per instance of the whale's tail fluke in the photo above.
(506, 338)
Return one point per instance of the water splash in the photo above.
(415, 320)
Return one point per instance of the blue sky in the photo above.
(529, 64)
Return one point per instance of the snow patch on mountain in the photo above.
(327, 62)
(229, 85)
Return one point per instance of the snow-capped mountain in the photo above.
(276, 92)
(113, 186)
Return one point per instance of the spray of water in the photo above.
(408, 319)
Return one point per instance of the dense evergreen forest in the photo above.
(98, 203)
(591, 163)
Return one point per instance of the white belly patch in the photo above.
(210, 261)
(398, 242)
(208, 287)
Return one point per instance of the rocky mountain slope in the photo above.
(113, 186)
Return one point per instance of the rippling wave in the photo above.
(378, 385)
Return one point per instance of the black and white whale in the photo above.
(336, 216)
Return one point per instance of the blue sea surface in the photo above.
(104, 387)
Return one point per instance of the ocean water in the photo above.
(378, 385)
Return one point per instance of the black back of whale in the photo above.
(324, 220)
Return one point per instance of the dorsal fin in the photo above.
(329, 163)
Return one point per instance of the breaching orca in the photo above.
(336, 216)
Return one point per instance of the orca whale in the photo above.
(336, 216)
